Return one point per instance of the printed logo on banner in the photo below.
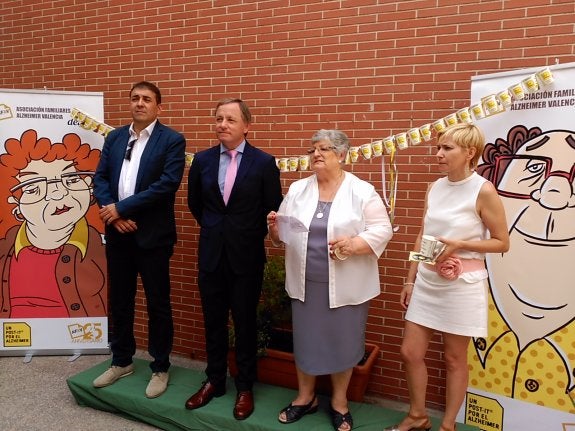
(17, 334)
(86, 333)
(484, 412)
(5, 112)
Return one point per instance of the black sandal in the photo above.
(338, 419)
(295, 413)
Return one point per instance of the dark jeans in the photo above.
(222, 291)
(125, 261)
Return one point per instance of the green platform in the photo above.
(126, 398)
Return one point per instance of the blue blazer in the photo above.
(238, 229)
(159, 177)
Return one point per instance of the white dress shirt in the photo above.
(129, 173)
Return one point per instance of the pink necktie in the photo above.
(230, 175)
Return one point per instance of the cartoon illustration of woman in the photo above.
(52, 258)
(529, 352)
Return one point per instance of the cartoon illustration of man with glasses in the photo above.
(528, 354)
(52, 258)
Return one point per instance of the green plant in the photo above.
(274, 308)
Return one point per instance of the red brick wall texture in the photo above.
(368, 67)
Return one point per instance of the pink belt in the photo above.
(453, 266)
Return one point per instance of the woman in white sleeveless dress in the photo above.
(463, 211)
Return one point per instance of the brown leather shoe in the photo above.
(205, 395)
(244, 405)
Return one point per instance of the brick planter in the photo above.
(278, 368)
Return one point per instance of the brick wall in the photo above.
(368, 67)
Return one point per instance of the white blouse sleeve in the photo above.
(378, 230)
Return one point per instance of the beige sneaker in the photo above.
(158, 385)
(112, 374)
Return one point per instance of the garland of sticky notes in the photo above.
(86, 121)
(489, 105)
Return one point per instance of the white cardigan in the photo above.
(357, 210)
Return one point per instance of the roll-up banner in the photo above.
(522, 376)
(53, 298)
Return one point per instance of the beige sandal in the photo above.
(426, 426)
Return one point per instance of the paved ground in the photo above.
(34, 396)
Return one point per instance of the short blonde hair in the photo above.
(465, 136)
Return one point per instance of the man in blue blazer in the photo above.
(231, 248)
(135, 184)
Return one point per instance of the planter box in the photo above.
(278, 368)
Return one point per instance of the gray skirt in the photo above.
(325, 340)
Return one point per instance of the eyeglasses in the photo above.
(129, 148)
(517, 176)
(36, 189)
(322, 150)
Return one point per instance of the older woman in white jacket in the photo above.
(331, 272)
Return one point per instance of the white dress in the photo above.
(453, 306)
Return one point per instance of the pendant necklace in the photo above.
(321, 208)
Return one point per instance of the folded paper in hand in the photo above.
(287, 224)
